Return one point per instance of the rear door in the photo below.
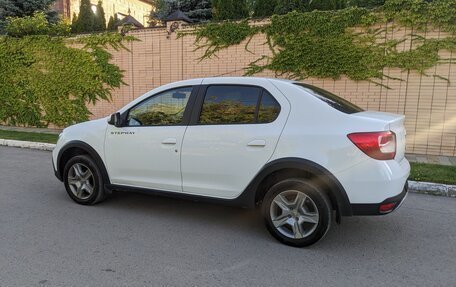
(233, 133)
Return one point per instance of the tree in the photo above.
(366, 3)
(230, 9)
(74, 23)
(285, 6)
(35, 25)
(264, 8)
(113, 23)
(99, 20)
(46, 79)
(327, 4)
(196, 10)
(14, 8)
(86, 18)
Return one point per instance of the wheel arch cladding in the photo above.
(74, 148)
(300, 168)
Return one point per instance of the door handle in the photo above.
(169, 141)
(258, 143)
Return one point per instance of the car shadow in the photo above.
(221, 216)
(246, 222)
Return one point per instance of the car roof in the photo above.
(252, 78)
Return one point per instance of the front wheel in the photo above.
(297, 212)
(83, 180)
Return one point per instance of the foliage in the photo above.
(85, 20)
(366, 3)
(196, 10)
(99, 22)
(50, 79)
(12, 8)
(440, 13)
(156, 117)
(113, 23)
(35, 25)
(222, 35)
(281, 7)
(227, 112)
(264, 8)
(329, 44)
(230, 9)
(74, 22)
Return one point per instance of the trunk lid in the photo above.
(392, 122)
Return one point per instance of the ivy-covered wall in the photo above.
(428, 101)
(398, 58)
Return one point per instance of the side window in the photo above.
(164, 109)
(230, 104)
(269, 108)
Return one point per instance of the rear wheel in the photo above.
(297, 212)
(83, 180)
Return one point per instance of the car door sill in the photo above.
(241, 201)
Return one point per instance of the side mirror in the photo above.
(115, 120)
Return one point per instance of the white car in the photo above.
(300, 152)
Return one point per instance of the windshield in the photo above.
(334, 101)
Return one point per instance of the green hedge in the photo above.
(47, 78)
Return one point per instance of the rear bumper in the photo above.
(374, 208)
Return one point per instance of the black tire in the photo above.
(319, 201)
(98, 194)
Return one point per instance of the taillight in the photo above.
(378, 145)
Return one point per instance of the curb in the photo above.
(431, 188)
(27, 144)
(437, 189)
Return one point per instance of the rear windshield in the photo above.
(334, 101)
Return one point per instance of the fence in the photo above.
(428, 102)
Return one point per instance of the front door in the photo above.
(146, 151)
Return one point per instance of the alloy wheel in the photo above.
(81, 181)
(294, 214)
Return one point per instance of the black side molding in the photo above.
(247, 198)
(335, 187)
(238, 202)
(89, 150)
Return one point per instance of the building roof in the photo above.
(130, 20)
(178, 15)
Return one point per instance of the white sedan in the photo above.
(300, 152)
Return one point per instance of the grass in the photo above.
(28, 136)
(433, 173)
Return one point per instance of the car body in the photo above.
(231, 139)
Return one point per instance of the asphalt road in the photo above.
(139, 240)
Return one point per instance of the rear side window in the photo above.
(269, 108)
(232, 104)
(334, 101)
